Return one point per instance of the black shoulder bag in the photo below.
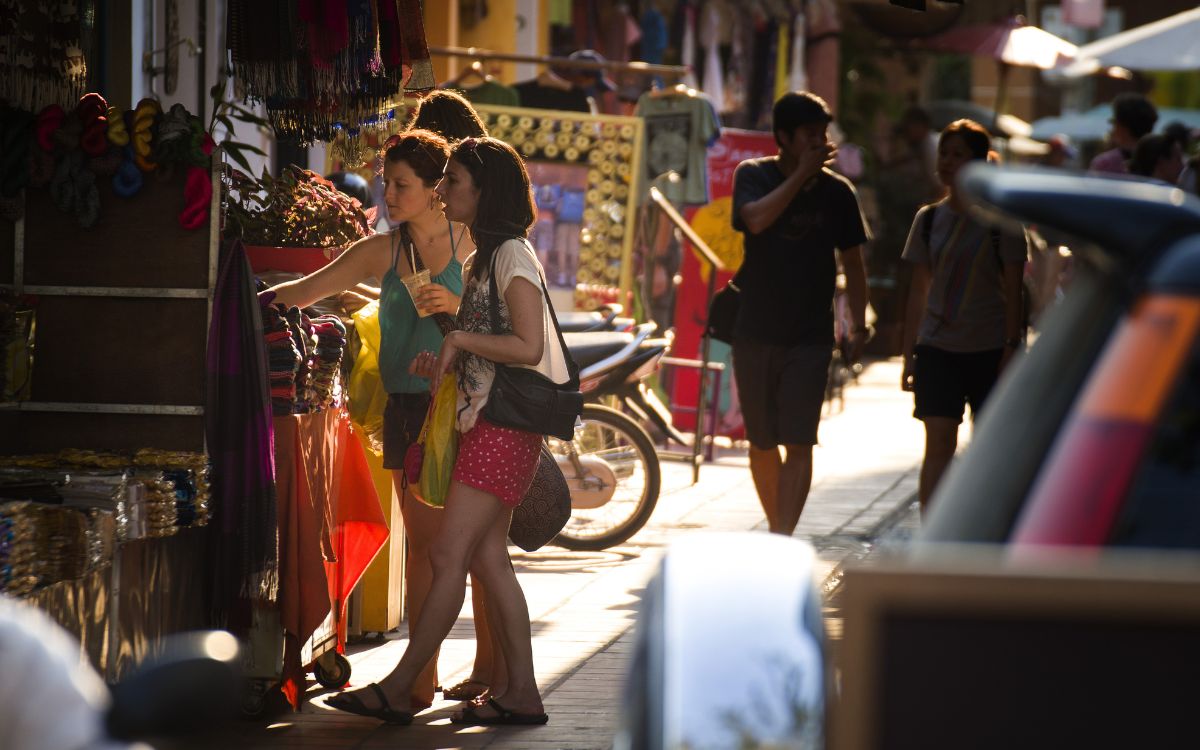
(723, 312)
(524, 399)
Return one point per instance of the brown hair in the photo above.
(449, 114)
(976, 137)
(506, 208)
(422, 150)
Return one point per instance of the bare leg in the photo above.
(795, 479)
(490, 656)
(941, 441)
(510, 618)
(421, 524)
(765, 467)
(468, 516)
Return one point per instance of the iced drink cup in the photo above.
(413, 283)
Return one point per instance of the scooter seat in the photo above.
(577, 320)
(589, 348)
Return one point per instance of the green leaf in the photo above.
(235, 153)
(248, 147)
(224, 120)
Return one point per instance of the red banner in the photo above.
(691, 312)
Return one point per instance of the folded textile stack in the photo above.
(40, 545)
(157, 498)
(327, 360)
(101, 490)
(283, 359)
(188, 473)
(306, 342)
(18, 554)
(62, 543)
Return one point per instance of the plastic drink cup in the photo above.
(413, 282)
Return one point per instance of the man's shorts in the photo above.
(781, 390)
(944, 382)
(403, 417)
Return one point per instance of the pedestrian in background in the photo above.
(1133, 117)
(796, 215)
(965, 318)
(1158, 157)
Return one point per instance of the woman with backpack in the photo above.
(965, 316)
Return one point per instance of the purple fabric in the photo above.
(245, 549)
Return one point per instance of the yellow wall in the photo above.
(444, 28)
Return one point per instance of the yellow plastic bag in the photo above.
(441, 446)
(365, 389)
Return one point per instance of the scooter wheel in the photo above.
(626, 450)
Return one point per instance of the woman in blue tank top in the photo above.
(422, 238)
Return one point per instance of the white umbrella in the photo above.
(1172, 43)
(1093, 125)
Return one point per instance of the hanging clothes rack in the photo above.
(478, 53)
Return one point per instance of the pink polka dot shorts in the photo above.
(498, 460)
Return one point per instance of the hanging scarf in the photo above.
(244, 552)
(41, 52)
(332, 63)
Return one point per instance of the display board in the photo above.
(121, 315)
(584, 171)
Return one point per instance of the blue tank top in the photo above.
(404, 334)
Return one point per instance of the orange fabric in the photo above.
(361, 529)
(330, 528)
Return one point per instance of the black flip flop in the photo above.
(352, 704)
(503, 716)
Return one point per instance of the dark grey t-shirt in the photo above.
(965, 311)
(788, 276)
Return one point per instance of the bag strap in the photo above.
(494, 305)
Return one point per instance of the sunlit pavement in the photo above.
(583, 605)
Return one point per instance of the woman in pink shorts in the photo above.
(486, 187)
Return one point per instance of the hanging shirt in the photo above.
(679, 129)
(492, 92)
(966, 307)
(536, 96)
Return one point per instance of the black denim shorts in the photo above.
(402, 420)
(781, 390)
(946, 382)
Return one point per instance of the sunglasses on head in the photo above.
(471, 145)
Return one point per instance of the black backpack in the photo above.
(1026, 295)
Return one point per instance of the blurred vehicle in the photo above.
(52, 699)
(1091, 439)
(1094, 439)
(728, 650)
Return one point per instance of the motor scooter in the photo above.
(611, 465)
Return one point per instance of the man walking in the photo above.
(795, 213)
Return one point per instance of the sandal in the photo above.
(465, 690)
(351, 703)
(503, 717)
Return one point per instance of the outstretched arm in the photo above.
(365, 258)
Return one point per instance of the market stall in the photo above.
(147, 484)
